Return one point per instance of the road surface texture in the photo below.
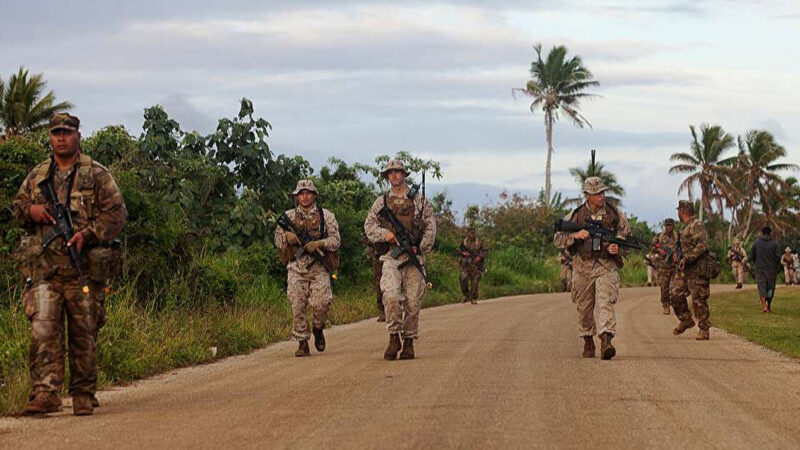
(506, 373)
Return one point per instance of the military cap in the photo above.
(305, 185)
(394, 164)
(64, 121)
(669, 221)
(594, 185)
(687, 205)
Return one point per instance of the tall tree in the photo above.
(705, 165)
(558, 85)
(758, 168)
(22, 106)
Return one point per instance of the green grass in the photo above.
(740, 313)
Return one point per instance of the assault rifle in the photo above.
(405, 243)
(472, 255)
(669, 253)
(63, 227)
(598, 233)
(319, 256)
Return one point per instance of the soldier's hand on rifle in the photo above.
(583, 234)
(390, 237)
(292, 238)
(77, 241)
(415, 249)
(314, 246)
(612, 248)
(39, 214)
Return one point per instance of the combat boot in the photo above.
(43, 402)
(588, 347)
(82, 404)
(381, 316)
(319, 339)
(408, 349)
(683, 326)
(95, 402)
(607, 350)
(703, 335)
(394, 346)
(739, 286)
(302, 348)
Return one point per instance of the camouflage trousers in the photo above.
(403, 289)
(592, 291)
(566, 278)
(652, 277)
(310, 287)
(469, 278)
(664, 282)
(788, 275)
(687, 284)
(738, 272)
(377, 268)
(46, 304)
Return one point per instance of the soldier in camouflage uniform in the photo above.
(308, 280)
(473, 254)
(664, 244)
(738, 259)
(693, 241)
(595, 280)
(788, 267)
(402, 284)
(98, 215)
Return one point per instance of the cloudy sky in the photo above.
(358, 78)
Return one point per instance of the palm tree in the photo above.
(558, 85)
(757, 161)
(597, 169)
(705, 166)
(22, 107)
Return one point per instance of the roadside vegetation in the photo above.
(740, 313)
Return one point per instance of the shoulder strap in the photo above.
(321, 213)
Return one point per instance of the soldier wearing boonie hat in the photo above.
(56, 289)
(473, 254)
(308, 281)
(664, 244)
(738, 259)
(595, 280)
(402, 284)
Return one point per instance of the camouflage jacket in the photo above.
(98, 210)
(475, 248)
(376, 232)
(298, 216)
(564, 240)
(694, 241)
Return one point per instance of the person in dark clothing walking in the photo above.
(766, 256)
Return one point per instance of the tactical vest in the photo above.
(668, 241)
(610, 221)
(313, 224)
(736, 255)
(404, 209)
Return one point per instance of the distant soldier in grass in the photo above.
(60, 288)
(309, 274)
(788, 267)
(595, 277)
(738, 259)
(473, 254)
(402, 283)
(664, 244)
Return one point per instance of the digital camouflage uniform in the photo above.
(403, 287)
(694, 245)
(308, 282)
(738, 259)
(98, 211)
(471, 270)
(788, 267)
(666, 269)
(595, 281)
